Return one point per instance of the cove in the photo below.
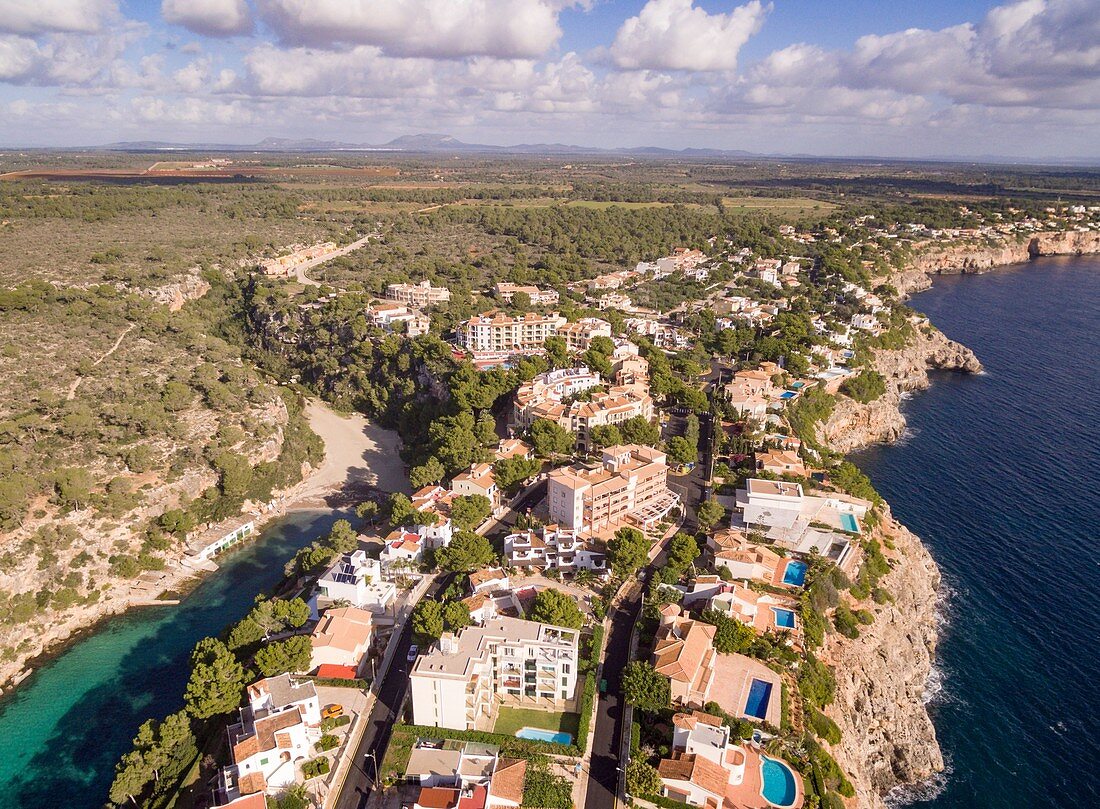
(998, 474)
(63, 729)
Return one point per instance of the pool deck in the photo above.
(747, 795)
(733, 676)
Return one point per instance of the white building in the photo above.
(418, 295)
(539, 297)
(496, 332)
(579, 334)
(553, 548)
(397, 317)
(275, 733)
(459, 683)
(357, 579)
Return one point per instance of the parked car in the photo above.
(414, 650)
(332, 711)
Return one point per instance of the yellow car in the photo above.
(332, 711)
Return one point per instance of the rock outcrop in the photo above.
(854, 424)
(888, 739)
(177, 294)
(977, 257)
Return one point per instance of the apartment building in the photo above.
(579, 334)
(509, 661)
(628, 484)
(539, 297)
(553, 548)
(546, 397)
(497, 332)
(418, 295)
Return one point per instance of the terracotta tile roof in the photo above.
(479, 577)
(252, 783)
(700, 771)
(344, 628)
(264, 733)
(508, 780)
(682, 649)
(437, 798)
(690, 720)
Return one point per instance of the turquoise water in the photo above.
(63, 729)
(783, 618)
(778, 782)
(795, 574)
(760, 694)
(999, 476)
(540, 735)
(849, 523)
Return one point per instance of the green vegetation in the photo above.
(864, 387)
(556, 608)
(510, 720)
(627, 551)
(644, 688)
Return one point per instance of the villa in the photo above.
(683, 651)
(342, 638)
(478, 480)
(764, 612)
(803, 524)
(539, 297)
(396, 317)
(357, 579)
(488, 580)
(780, 462)
(707, 768)
(749, 562)
(418, 295)
(276, 731)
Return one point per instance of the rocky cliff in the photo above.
(888, 738)
(854, 425)
(976, 257)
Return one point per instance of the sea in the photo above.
(63, 729)
(999, 474)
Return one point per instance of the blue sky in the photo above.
(864, 77)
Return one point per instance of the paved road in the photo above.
(357, 786)
(603, 772)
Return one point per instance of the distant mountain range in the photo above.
(422, 143)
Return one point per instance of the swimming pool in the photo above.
(783, 618)
(849, 523)
(540, 735)
(760, 694)
(778, 785)
(795, 573)
(787, 394)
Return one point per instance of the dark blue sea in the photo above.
(1000, 476)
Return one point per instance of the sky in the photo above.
(824, 77)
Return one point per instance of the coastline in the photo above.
(889, 746)
(356, 455)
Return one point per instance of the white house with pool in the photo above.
(804, 524)
(708, 768)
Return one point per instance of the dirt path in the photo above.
(76, 384)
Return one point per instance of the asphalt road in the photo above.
(603, 771)
(357, 786)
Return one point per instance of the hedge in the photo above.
(337, 682)
(591, 664)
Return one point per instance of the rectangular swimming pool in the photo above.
(760, 694)
(540, 735)
(783, 618)
(849, 523)
(795, 574)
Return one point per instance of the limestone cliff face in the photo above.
(985, 256)
(854, 425)
(888, 738)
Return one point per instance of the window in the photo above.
(263, 762)
(564, 668)
(564, 682)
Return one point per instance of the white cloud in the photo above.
(675, 35)
(66, 16)
(432, 28)
(212, 18)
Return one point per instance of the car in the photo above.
(332, 711)
(414, 650)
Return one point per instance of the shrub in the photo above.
(864, 387)
(824, 727)
(327, 742)
(315, 768)
(846, 622)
